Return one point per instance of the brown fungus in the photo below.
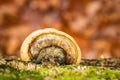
(50, 46)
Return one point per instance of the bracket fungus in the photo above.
(50, 46)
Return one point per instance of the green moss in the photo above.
(8, 73)
(66, 72)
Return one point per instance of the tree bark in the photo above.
(112, 63)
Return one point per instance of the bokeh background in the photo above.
(94, 24)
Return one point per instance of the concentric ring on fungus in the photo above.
(51, 46)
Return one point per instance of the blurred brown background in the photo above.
(94, 24)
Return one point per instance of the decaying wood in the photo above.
(112, 63)
(18, 64)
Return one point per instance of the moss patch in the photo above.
(66, 72)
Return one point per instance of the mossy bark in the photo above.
(13, 68)
(112, 63)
